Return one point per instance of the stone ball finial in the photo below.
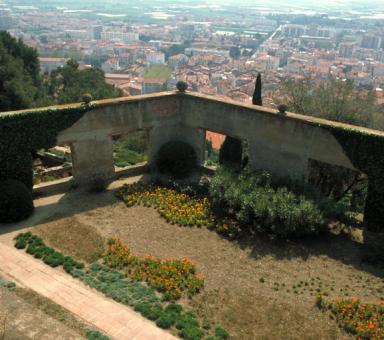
(182, 86)
(87, 98)
(282, 108)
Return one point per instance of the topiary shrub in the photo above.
(176, 158)
(181, 86)
(16, 202)
(87, 98)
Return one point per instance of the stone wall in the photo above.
(281, 144)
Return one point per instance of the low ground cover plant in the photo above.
(178, 207)
(170, 276)
(364, 320)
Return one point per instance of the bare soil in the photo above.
(256, 289)
(26, 315)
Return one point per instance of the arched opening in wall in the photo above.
(130, 149)
(220, 148)
(347, 187)
(52, 164)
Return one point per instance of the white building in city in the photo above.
(126, 37)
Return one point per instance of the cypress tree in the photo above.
(256, 99)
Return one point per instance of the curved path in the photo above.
(114, 319)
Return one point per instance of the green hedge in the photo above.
(24, 132)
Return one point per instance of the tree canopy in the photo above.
(19, 74)
(333, 99)
(22, 86)
(69, 83)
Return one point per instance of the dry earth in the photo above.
(25, 315)
(259, 289)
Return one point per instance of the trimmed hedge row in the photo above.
(35, 246)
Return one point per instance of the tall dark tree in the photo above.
(231, 153)
(256, 99)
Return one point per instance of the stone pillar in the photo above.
(158, 136)
(278, 160)
(92, 159)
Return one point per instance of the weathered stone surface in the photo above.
(281, 144)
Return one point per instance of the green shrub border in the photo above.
(366, 152)
(25, 132)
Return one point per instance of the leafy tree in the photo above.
(256, 99)
(19, 74)
(69, 83)
(17, 49)
(333, 99)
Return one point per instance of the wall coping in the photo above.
(310, 120)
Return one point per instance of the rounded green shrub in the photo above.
(16, 202)
(21, 244)
(186, 320)
(181, 86)
(221, 333)
(191, 333)
(176, 158)
(165, 321)
(174, 308)
(154, 313)
(55, 259)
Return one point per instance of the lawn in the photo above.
(258, 288)
(158, 71)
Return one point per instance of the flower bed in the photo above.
(364, 320)
(169, 276)
(178, 208)
(142, 297)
